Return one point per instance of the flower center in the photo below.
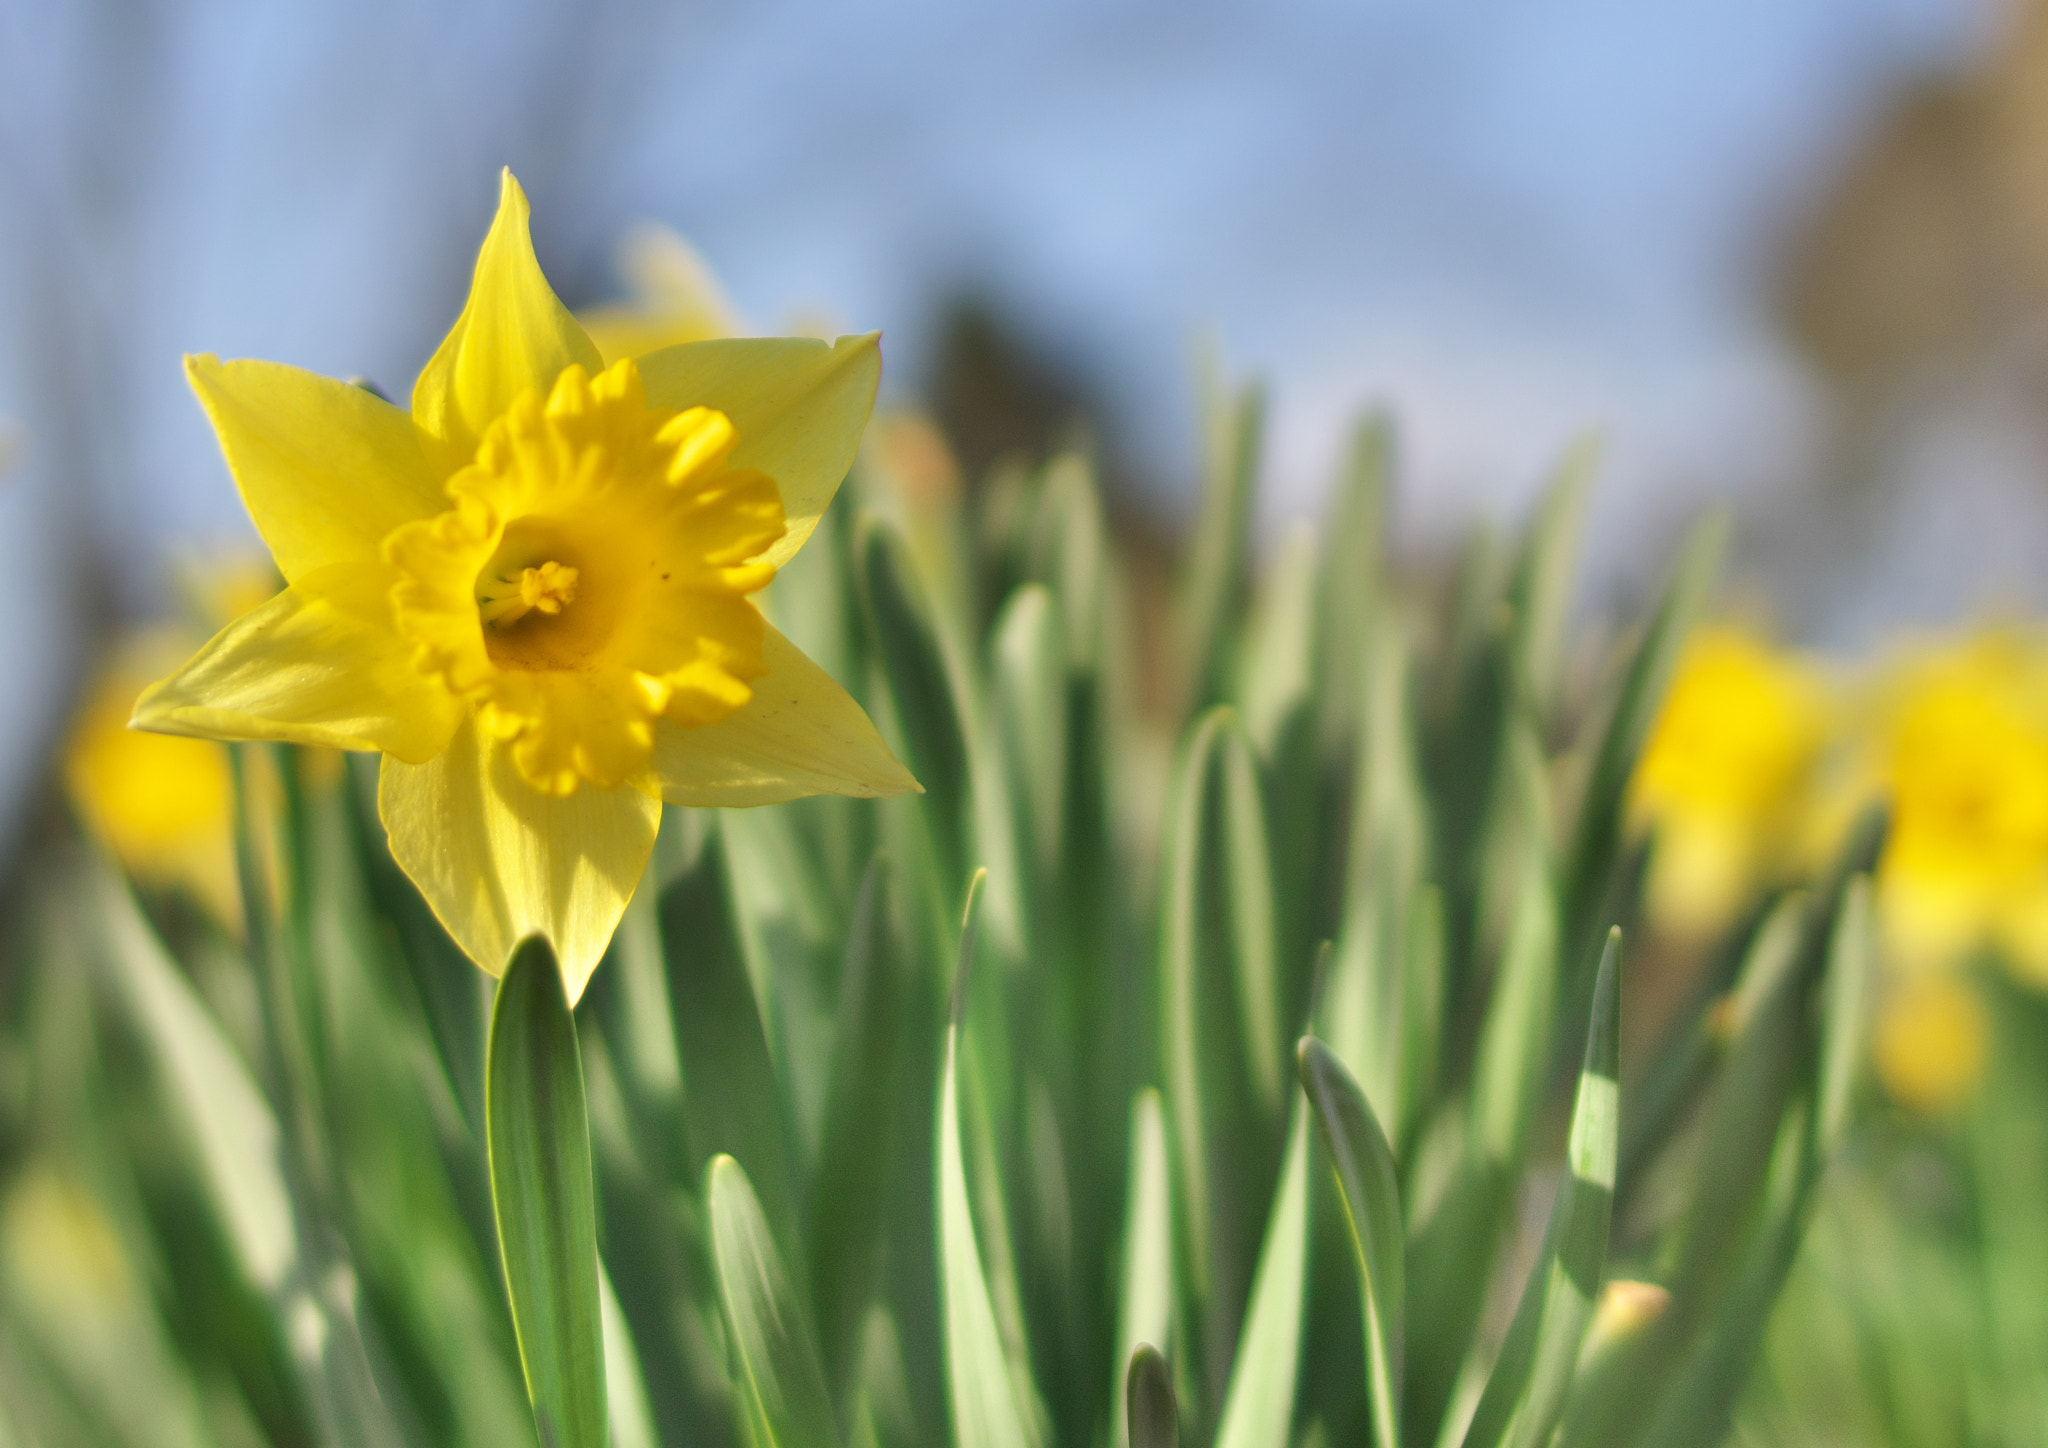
(503, 601)
(590, 577)
(553, 592)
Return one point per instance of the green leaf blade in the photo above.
(539, 1140)
(1152, 1416)
(1368, 1185)
(1525, 1395)
(1259, 1408)
(770, 1332)
(984, 1403)
(1145, 1310)
(1596, 836)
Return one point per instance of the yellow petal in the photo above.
(800, 734)
(318, 664)
(798, 405)
(499, 861)
(514, 334)
(324, 468)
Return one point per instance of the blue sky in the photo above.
(1511, 220)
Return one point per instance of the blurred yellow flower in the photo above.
(1724, 774)
(1962, 752)
(531, 594)
(61, 1250)
(219, 588)
(1930, 1043)
(675, 299)
(162, 806)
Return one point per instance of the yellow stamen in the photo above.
(593, 541)
(547, 588)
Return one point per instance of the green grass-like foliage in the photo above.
(1223, 1050)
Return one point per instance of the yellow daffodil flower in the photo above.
(675, 299)
(1931, 1039)
(532, 594)
(163, 807)
(1961, 749)
(1723, 774)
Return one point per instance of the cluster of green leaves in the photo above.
(1265, 1090)
(1917, 1315)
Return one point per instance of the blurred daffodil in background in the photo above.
(532, 596)
(162, 805)
(675, 298)
(1956, 737)
(1932, 1037)
(1960, 746)
(1759, 760)
(1725, 774)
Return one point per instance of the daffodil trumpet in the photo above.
(534, 595)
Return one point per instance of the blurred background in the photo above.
(1792, 253)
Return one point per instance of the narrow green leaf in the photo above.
(1366, 1011)
(985, 1410)
(780, 1373)
(1180, 934)
(1248, 861)
(539, 1135)
(454, 997)
(1069, 549)
(1767, 1062)
(1422, 1008)
(1027, 668)
(1525, 1394)
(1369, 1187)
(1218, 560)
(1145, 1303)
(1845, 1019)
(853, 1171)
(1278, 668)
(1540, 590)
(1512, 1065)
(1596, 835)
(1259, 1408)
(1741, 1223)
(1354, 560)
(732, 1099)
(1476, 586)
(920, 694)
(231, 1125)
(646, 1019)
(632, 1419)
(1696, 1412)
(789, 921)
(1683, 1062)
(1151, 1417)
(1516, 834)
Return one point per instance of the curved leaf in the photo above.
(1596, 836)
(1525, 1395)
(1369, 1187)
(784, 1386)
(1260, 1406)
(539, 1136)
(1145, 1310)
(984, 1405)
(1152, 1417)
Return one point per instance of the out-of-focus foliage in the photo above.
(868, 1171)
(1913, 1315)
